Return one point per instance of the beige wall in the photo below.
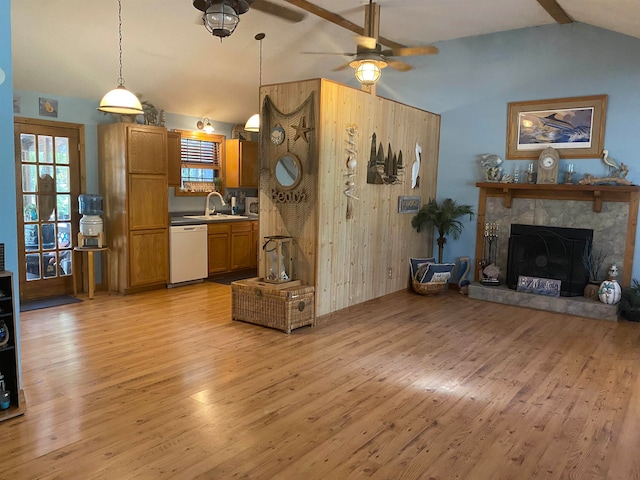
(348, 260)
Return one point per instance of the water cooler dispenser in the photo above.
(91, 226)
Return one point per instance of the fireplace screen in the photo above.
(549, 252)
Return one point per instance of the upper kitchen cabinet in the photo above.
(241, 168)
(133, 183)
(173, 154)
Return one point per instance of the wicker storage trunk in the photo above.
(275, 306)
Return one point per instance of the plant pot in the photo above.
(591, 290)
(633, 315)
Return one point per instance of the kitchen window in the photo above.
(200, 162)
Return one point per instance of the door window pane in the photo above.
(28, 146)
(33, 266)
(64, 207)
(49, 265)
(66, 264)
(62, 150)
(45, 149)
(62, 179)
(29, 178)
(31, 237)
(64, 235)
(30, 206)
(48, 236)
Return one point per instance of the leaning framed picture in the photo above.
(573, 126)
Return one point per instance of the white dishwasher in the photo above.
(187, 254)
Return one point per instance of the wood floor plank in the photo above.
(164, 385)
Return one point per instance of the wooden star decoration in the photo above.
(302, 130)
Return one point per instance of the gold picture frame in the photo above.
(573, 126)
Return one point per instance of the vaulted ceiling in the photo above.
(70, 47)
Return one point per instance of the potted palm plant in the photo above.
(630, 302)
(444, 217)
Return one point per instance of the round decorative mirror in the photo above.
(288, 171)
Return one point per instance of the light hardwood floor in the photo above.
(163, 385)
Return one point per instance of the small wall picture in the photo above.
(408, 204)
(48, 107)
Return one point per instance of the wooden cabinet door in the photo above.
(147, 149)
(173, 159)
(148, 203)
(218, 247)
(240, 245)
(148, 257)
(254, 245)
(249, 168)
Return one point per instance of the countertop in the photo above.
(176, 219)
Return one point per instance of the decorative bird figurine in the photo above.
(610, 161)
(415, 168)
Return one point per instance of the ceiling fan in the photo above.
(369, 57)
(221, 17)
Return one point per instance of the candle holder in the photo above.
(530, 173)
(278, 259)
(568, 179)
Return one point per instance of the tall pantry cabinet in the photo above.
(133, 183)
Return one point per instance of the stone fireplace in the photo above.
(611, 212)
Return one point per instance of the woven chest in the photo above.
(275, 306)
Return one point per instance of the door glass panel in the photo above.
(28, 148)
(62, 150)
(33, 266)
(64, 235)
(64, 207)
(29, 178)
(45, 149)
(49, 265)
(62, 179)
(31, 237)
(30, 206)
(65, 263)
(44, 172)
(48, 236)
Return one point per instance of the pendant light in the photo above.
(253, 124)
(120, 100)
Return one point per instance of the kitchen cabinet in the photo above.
(174, 173)
(241, 168)
(218, 247)
(8, 352)
(133, 183)
(232, 246)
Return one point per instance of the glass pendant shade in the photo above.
(253, 124)
(120, 100)
(368, 72)
(221, 19)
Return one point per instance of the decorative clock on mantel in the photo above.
(548, 166)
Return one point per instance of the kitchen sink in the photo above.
(217, 216)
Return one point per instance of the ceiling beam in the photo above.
(340, 21)
(556, 11)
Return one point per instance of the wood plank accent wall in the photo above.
(348, 261)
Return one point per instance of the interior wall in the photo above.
(349, 260)
(471, 81)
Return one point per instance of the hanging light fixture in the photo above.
(205, 126)
(253, 124)
(221, 17)
(368, 71)
(120, 100)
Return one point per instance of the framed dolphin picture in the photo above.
(573, 126)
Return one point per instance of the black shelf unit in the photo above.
(8, 353)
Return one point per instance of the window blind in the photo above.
(200, 151)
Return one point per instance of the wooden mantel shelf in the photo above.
(595, 193)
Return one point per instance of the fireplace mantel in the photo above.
(594, 194)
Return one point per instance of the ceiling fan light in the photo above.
(220, 19)
(120, 100)
(368, 72)
(253, 124)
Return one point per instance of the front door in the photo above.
(47, 189)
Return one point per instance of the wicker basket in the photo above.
(428, 288)
(272, 306)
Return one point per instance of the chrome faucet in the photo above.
(210, 211)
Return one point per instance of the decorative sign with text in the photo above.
(539, 286)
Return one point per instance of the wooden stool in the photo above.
(91, 269)
(82, 238)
